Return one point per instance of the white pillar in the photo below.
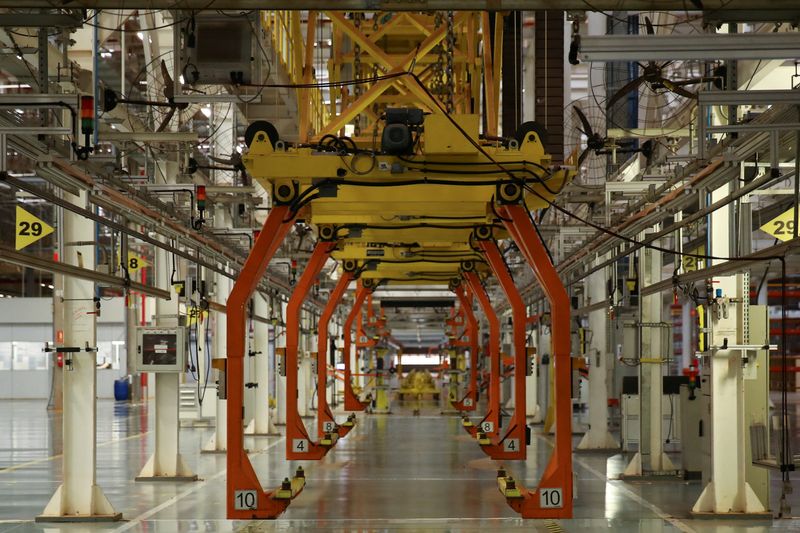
(598, 437)
(205, 350)
(260, 424)
(728, 491)
(280, 382)
(544, 379)
(218, 441)
(79, 497)
(532, 410)
(304, 373)
(650, 459)
(166, 463)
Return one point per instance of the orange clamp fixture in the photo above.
(245, 498)
(553, 497)
(351, 401)
(490, 424)
(513, 445)
(470, 399)
(325, 420)
(298, 444)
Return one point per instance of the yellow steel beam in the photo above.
(396, 20)
(488, 77)
(304, 98)
(369, 96)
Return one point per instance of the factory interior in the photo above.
(399, 265)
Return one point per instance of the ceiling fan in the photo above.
(111, 99)
(600, 145)
(657, 77)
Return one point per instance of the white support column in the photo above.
(280, 382)
(650, 459)
(333, 333)
(131, 322)
(532, 410)
(218, 441)
(728, 492)
(205, 350)
(249, 373)
(79, 498)
(598, 437)
(260, 424)
(304, 367)
(166, 463)
(545, 380)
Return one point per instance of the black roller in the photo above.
(530, 127)
(261, 126)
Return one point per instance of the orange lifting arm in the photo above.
(490, 424)
(514, 444)
(351, 401)
(470, 399)
(298, 443)
(245, 498)
(557, 477)
(325, 421)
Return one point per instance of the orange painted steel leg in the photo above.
(325, 421)
(241, 476)
(470, 399)
(298, 444)
(351, 401)
(558, 473)
(493, 413)
(512, 445)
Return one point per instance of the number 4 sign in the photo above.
(30, 229)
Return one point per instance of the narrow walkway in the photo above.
(393, 472)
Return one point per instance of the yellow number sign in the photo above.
(782, 226)
(30, 229)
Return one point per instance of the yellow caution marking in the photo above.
(782, 226)
(553, 526)
(30, 229)
(135, 262)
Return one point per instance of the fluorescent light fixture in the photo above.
(702, 46)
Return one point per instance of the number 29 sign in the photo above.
(29, 229)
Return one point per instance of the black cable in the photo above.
(326, 85)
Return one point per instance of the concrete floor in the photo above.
(393, 472)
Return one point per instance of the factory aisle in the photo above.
(389, 468)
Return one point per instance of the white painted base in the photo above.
(598, 439)
(58, 508)
(534, 415)
(181, 472)
(634, 468)
(727, 501)
(219, 440)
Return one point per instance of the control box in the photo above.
(161, 349)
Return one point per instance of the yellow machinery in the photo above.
(417, 384)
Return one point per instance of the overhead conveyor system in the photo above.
(430, 218)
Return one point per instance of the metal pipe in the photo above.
(755, 184)
(11, 256)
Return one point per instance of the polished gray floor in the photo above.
(393, 472)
